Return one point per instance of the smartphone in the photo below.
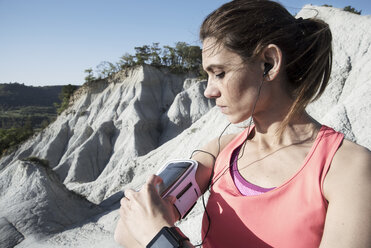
(171, 174)
(179, 180)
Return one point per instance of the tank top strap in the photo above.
(222, 162)
(331, 141)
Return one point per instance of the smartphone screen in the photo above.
(171, 174)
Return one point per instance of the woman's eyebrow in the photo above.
(212, 66)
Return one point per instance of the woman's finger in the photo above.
(171, 199)
(129, 194)
(124, 209)
(152, 185)
(124, 201)
(154, 180)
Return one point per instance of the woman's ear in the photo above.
(272, 62)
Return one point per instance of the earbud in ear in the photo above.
(267, 68)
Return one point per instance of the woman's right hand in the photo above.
(123, 232)
(144, 213)
(123, 237)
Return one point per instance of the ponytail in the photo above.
(309, 70)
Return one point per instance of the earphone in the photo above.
(267, 68)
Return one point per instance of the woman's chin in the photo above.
(236, 119)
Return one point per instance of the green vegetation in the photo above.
(25, 110)
(90, 76)
(65, 96)
(182, 58)
(193, 130)
(38, 161)
(20, 104)
(10, 138)
(38, 116)
(19, 95)
(352, 10)
(346, 8)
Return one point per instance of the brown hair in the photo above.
(246, 27)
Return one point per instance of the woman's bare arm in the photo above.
(347, 188)
(206, 159)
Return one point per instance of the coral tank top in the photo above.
(291, 215)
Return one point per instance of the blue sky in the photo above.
(52, 42)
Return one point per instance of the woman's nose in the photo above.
(212, 90)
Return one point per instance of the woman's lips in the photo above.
(223, 109)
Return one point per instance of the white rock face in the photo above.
(346, 103)
(35, 203)
(9, 235)
(118, 131)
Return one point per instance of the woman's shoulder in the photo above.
(351, 163)
(218, 144)
(350, 153)
(226, 139)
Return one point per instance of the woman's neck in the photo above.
(301, 129)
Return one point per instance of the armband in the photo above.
(179, 180)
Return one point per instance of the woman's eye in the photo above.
(220, 75)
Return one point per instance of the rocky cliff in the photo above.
(117, 131)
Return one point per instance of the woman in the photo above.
(286, 181)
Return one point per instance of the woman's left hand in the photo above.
(145, 212)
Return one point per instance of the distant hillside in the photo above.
(25, 110)
(16, 95)
(21, 104)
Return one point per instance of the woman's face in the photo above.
(232, 82)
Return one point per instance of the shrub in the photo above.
(89, 77)
(182, 58)
(38, 161)
(352, 10)
(10, 138)
(65, 96)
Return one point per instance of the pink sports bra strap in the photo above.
(245, 187)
